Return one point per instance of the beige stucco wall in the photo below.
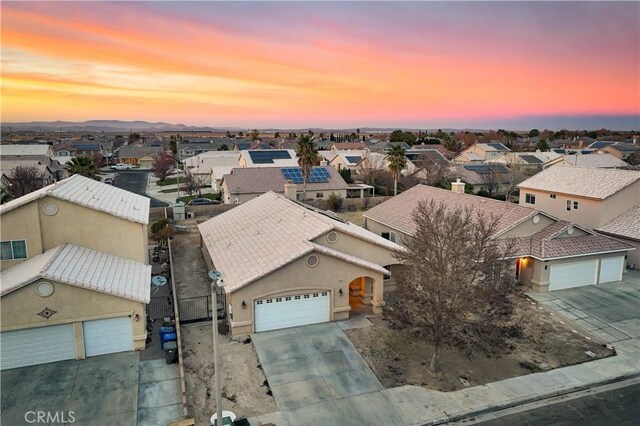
(93, 229)
(230, 198)
(359, 248)
(22, 224)
(528, 228)
(591, 213)
(72, 304)
(329, 275)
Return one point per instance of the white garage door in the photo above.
(611, 269)
(291, 311)
(106, 336)
(33, 346)
(575, 274)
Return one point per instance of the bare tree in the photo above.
(192, 184)
(25, 179)
(431, 172)
(491, 181)
(455, 287)
(163, 162)
(511, 181)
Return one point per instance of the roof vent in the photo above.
(535, 219)
(332, 237)
(570, 230)
(312, 261)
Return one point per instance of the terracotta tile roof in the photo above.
(91, 194)
(83, 267)
(269, 232)
(257, 180)
(582, 181)
(626, 225)
(396, 212)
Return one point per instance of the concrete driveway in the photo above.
(610, 311)
(115, 389)
(318, 377)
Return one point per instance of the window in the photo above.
(529, 198)
(13, 250)
(385, 235)
(568, 205)
(324, 293)
(575, 205)
(306, 296)
(297, 297)
(319, 194)
(387, 277)
(287, 298)
(278, 299)
(552, 196)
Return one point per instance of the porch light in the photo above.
(244, 305)
(341, 292)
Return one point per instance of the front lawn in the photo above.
(398, 358)
(168, 181)
(214, 196)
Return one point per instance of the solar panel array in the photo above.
(353, 159)
(318, 175)
(498, 146)
(484, 169)
(531, 159)
(267, 156)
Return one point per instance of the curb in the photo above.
(526, 400)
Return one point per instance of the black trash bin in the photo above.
(171, 352)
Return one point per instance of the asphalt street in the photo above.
(618, 407)
(136, 181)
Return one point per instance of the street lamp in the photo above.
(215, 283)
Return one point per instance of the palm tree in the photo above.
(82, 166)
(307, 158)
(397, 158)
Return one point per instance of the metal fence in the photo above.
(195, 309)
(160, 307)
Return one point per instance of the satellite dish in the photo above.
(158, 280)
(214, 275)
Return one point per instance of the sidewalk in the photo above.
(153, 190)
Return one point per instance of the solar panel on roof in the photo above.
(267, 156)
(484, 169)
(353, 159)
(86, 146)
(531, 159)
(317, 175)
(497, 146)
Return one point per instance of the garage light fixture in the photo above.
(341, 292)
(244, 305)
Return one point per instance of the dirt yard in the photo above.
(397, 358)
(242, 390)
(354, 217)
(189, 269)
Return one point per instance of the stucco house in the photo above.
(621, 150)
(626, 227)
(481, 152)
(138, 155)
(529, 162)
(549, 254)
(75, 276)
(244, 184)
(286, 264)
(268, 158)
(347, 159)
(212, 165)
(589, 197)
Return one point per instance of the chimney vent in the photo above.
(324, 163)
(458, 186)
(290, 190)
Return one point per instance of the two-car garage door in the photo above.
(291, 311)
(578, 274)
(32, 346)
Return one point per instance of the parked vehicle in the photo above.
(122, 166)
(202, 202)
(108, 181)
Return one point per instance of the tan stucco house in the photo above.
(75, 273)
(287, 264)
(595, 198)
(481, 152)
(549, 253)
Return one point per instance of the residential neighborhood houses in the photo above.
(307, 249)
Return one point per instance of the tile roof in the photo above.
(493, 146)
(582, 181)
(91, 194)
(257, 180)
(626, 225)
(397, 212)
(289, 159)
(138, 151)
(85, 268)
(347, 145)
(268, 232)
(33, 149)
(594, 160)
(625, 147)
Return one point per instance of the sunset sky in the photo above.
(321, 64)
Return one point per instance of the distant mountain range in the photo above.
(145, 126)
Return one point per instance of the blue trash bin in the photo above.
(167, 329)
(167, 337)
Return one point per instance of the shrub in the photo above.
(334, 202)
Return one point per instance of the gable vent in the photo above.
(332, 237)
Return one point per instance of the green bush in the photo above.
(158, 225)
(334, 202)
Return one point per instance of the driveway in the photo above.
(610, 311)
(136, 181)
(114, 389)
(318, 377)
